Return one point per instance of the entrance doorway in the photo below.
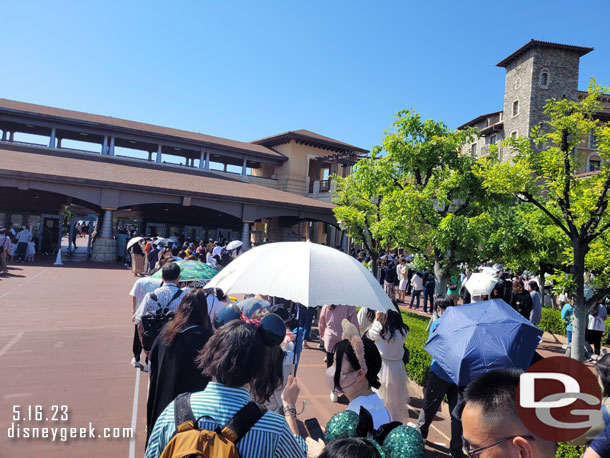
(80, 227)
(49, 234)
(193, 232)
(155, 229)
(223, 234)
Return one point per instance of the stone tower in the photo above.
(535, 73)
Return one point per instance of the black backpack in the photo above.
(153, 322)
(225, 257)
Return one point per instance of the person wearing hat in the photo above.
(5, 246)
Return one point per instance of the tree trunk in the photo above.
(440, 277)
(542, 283)
(579, 325)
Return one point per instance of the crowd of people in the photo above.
(236, 367)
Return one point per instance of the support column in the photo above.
(244, 169)
(11, 136)
(105, 145)
(207, 160)
(111, 150)
(52, 139)
(245, 237)
(150, 153)
(104, 249)
(59, 143)
(158, 158)
(225, 168)
(343, 242)
(202, 160)
(4, 132)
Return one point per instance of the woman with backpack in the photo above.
(595, 326)
(245, 364)
(172, 358)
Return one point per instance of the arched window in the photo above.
(544, 77)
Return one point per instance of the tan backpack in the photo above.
(190, 441)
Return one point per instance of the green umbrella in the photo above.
(192, 271)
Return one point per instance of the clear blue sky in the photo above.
(249, 69)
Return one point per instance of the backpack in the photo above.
(189, 440)
(153, 322)
(225, 257)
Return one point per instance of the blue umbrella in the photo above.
(474, 338)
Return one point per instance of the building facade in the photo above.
(535, 73)
(164, 181)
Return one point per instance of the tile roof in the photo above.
(109, 121)
(581, 50)
(307, 135)
(120, 173)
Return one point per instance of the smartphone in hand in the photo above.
(313, 429)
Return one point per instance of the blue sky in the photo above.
(245, 70)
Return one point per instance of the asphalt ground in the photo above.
(65, 343)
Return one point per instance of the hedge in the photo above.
(551, 322)
(419, 361)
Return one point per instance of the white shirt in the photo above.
(216, 251)
(24, 236)
(143, 286)
(596, 323)
(417, 282)
(389, 349)
(375, 406)
(164, 295)
(214, 306)
(5, 242)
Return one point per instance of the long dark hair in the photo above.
(193, 310)
(370, 315)
(603, 370)
(534, 285)
(390, 323)
(137, 249)
(235, 355)
(371, 357)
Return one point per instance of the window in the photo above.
(593, 143)
(515, 108)
(594, 165)
(513, 134)
(544, 78)
(473, 149)
(492, 140)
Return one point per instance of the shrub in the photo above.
(419, 361)
(565, 450)
(551, 321)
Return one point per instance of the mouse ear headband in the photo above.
(351, 333)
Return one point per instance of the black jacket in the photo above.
(173, 370)
(522, 303)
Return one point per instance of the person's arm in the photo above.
(374, 331)
(290, 396)
(322, 321)
(134, 306)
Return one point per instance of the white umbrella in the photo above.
(163, 242)
(133, 241)
(303, 272)
(234, 244)
(480, 284)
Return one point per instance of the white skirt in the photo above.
(394, 389)
(403, 284)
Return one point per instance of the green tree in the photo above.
(357, 198)
(420, 194)
(543, 174)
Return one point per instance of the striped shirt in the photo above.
(270, 437)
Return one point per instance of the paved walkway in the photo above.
(65, 339)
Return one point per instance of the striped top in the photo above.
(270, 437)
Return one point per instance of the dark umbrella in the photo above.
(474, 338)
